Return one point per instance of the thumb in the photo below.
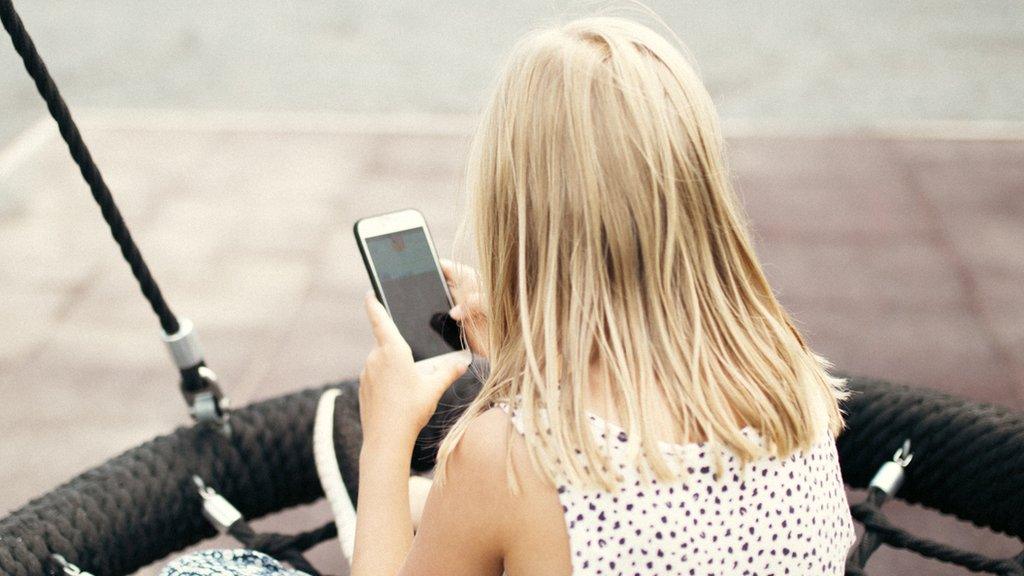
(440, 374)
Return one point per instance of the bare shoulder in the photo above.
(474, 515)
(465, 527)
(485, 441)
(482, 456)
(475, 474)
(532, 530)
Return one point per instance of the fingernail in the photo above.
(456, 312)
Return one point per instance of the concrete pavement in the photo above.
(834, 65)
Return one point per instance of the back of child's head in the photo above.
(609, 237)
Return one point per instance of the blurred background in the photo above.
(878, 148)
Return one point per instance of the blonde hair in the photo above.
(607, 231)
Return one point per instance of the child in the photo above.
(650, 407)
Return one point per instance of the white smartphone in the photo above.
(406, 276)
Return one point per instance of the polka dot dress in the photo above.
(776, 516)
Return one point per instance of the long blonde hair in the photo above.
(607, 232)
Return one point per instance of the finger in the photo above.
(471, 306)
(449, 269)
(443, 373)
(474, 304)
(458, 274)
(384, 329)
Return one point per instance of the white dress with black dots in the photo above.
(775, 517)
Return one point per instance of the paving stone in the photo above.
(1001, 297)
(977, 190)
(142, 165)
(820, 189)
(95, 345)
(440, 200)
(45, 247)
(338, 270)
(243, 292)
(303, 166)
(899, 275)
(422, 158)
(27, 319)
(946, 349)
(328, 342)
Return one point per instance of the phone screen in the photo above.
(414, 292)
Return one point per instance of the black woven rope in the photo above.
(878, 530)
(968, 457)
(302, 541)
(869, 542)
(90, 172)
(141, 506)
(285, 547)
(877, 525)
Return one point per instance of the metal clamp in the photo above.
(209, 405)
(206, 401)
(68, 568)
(184, 345)
(216, 508)
(889, 477)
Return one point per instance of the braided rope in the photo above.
(140, 506)
(878, 525)
(968, 457)
(83, 158)
(869, 542)
(285, 547)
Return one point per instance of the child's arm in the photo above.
(396, 399)
(465, 528)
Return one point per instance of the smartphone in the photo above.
(406, 276)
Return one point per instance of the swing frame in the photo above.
(141, 506)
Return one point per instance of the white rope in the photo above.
(330, 474)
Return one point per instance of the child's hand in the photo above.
(397, 397)
(470, 310)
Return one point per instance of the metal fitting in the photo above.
(209, 405)
(184, 345)
(889, 477)
(68, 568)
(216, 508)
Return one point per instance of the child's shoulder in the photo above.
(485, 440)
(490, 438)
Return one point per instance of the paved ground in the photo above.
(834, 65)
(900, 257)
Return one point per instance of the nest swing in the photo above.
(924, 447)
